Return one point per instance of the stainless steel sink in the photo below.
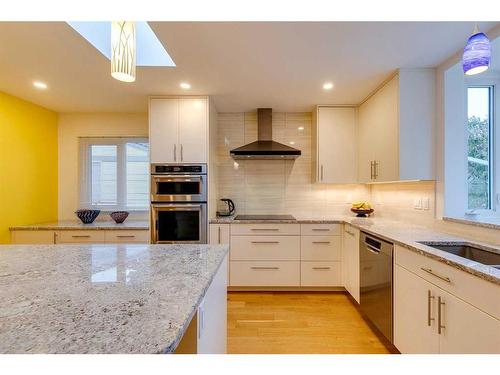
(468, 251)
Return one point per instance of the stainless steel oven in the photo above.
(178, 183)
(179, 223)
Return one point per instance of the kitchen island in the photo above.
(116, 298)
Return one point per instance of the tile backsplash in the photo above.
(277, 186)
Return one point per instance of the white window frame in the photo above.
(85, 172)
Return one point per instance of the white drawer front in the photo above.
(480, 293)
(320, 248)
(80, 236)
(320, 229)
(126, 236)
(320, 274)
(265, 229)
(264, 273)
(32, 237)
(265, 248)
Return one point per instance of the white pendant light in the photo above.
(123, 51)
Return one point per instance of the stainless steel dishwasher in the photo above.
(375, 276)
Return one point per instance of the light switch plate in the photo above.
(426, 203)
(417, 203)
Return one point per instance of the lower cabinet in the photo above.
(80, 236)
(265, 273)
(219, 234)
(350, 261)
(320, 274)
(428, 319)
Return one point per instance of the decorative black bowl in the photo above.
(87, 216)
(119, 216)
(362, 212)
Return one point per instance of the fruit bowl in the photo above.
(361, 212)
(87, 216)
(119, 216)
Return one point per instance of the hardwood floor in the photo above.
(298, 322)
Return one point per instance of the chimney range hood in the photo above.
(265, 147)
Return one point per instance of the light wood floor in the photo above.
(295, 323)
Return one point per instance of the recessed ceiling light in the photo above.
(292, 142)
(185, 85)
(300, 128)
(40, 85)
(327, 86)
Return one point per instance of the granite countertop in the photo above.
(403, 234)
(78, 225)
(101, 298)
(490, 222)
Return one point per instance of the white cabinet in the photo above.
(396, 127)
(428, 318)
(33, 237)
(178, 129)
(212, 315)
(219, 234)
(334, 144)
(80, 236)
(350, 261)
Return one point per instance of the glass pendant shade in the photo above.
(477, 54)
(123, 51)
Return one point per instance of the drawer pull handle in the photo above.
(81, 236)
(431, 272)
(349, 233)
(321, 268)
(322, 242)
(267, 229)
(265, 268)
(266, 242)
(321, 230)
(125, 236)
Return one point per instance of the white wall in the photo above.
(71, 127)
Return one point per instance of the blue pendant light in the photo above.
(477, 53)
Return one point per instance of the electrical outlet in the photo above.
(427, 203)
(417, 203)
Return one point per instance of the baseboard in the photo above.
(284, 289)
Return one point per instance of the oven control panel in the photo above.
(178, 168)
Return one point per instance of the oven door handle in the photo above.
(177, 207)
(181, 177)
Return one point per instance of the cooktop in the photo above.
(264, 217)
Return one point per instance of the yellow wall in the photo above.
(28, 164)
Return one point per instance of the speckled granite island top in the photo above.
(78, 225)
(101, 298)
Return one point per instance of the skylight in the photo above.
(150, 51)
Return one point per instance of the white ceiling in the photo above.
(242, 65)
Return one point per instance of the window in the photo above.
(480, 147)
(114, 173)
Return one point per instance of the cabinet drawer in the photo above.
(80, 236)
(320, 274)
(320, 229)
(265, 248)
(478, 292)
(264, 273)
(32, 237)
(265, 229)
(319, 248)
(126, 236)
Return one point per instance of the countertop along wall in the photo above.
(75, 125)
(277, 186)
(28, 164)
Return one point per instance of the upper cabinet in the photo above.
(334, 144)
(178, 129)
(396, 127)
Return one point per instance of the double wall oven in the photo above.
(178, 203)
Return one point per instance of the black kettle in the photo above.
(229, 210)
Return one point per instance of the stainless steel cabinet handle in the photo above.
(182, 153)
(321, 230)
(218, 241)
(268, 229)
(349, 233)
(440, 315)
(321, 268)
(375, 169)
(265, 268)
(371, 170)
(322, 242)
(125, 236)
(81, 236)
(175, 152)
(321, 172)
(368, 268)
(265, 242)
(431, 272)
(430, 297)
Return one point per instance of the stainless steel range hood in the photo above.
(265, 147)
